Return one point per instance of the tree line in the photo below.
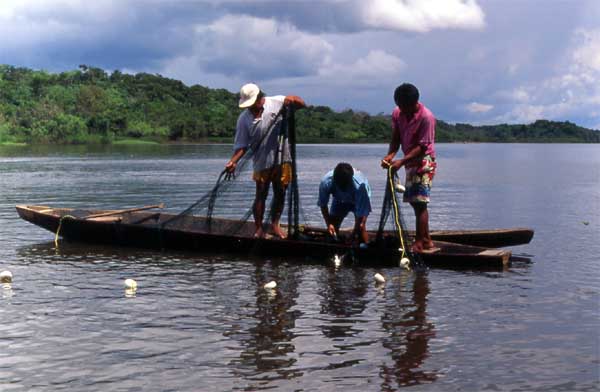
(90, 105)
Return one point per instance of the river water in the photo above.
(202, 322)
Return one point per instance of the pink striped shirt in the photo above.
(419, 131)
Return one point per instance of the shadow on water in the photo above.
(81, 252)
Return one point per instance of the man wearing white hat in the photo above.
(258, 127)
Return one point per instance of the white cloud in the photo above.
(475, 107)
(376, 67)
(189, 70)
(258, 48)
(347, 83)
(344, 53)
(574, 92)
(35, 22)
(520, 95)
(422, 15)
(588, 54)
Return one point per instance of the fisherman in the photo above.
(259, 126)
(413, 128)
(351, 192)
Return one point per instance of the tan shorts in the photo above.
(279, 173)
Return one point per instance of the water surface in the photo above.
(203, 321)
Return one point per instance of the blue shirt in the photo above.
(358, 195)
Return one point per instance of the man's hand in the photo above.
(397, 164)
(230, 166)
(387, 160)
(331, 230)
(295, 101)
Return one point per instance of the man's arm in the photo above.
(241, 142)
(330, 226)
(394, 146)
(323, 202)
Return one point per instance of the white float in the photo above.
(271, 285)
(6, 276)
(405, 262)
(379, 278)
(399, 187)
(130, 284)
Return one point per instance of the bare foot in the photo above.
(428, 244)
(259, 233)
(278, 232)
(417, 246)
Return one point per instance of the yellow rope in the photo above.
(59, 226)
(396, 210)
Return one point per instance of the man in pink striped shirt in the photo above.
(413, 129)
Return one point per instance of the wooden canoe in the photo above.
(146, 229)
(491, 238)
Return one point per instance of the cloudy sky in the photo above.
(477, 61)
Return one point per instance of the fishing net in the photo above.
(392, 232)
(228, 207)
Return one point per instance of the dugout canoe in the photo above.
(145, 229)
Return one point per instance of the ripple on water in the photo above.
(204, 321)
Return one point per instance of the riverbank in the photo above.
(91, 106)
(147, 142)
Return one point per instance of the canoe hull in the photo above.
(496, 238)
(143, 230)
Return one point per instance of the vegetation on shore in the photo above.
(89, 105)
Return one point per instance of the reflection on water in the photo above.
(410, 332)
(318, 319)
(267, 347)
(343, 297)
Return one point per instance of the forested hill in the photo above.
(89, 105)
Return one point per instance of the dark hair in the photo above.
(260, 94)
(406, 95)
(342, 175)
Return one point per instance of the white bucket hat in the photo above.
(248, 94)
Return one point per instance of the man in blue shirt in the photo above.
(351, 192)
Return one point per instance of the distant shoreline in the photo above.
(150, 142)
(92, 106)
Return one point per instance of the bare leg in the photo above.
(364, 234)
(278, 203)
(262, 191)
(422, 237)
(360, 226)
(427, 242)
